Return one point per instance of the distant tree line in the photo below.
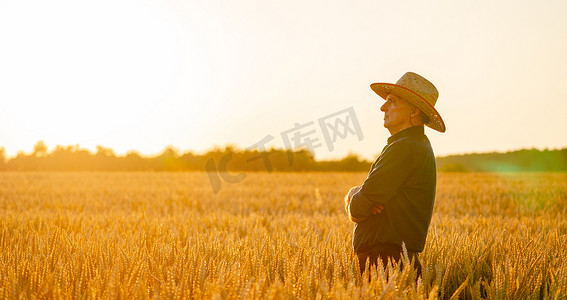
(230, 158)
(529, 160)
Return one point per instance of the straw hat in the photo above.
(419, 92)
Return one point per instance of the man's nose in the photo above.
(383, 107)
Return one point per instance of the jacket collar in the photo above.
(411, 131)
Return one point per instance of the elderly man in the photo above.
(393, 206)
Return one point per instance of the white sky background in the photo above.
(141, 75)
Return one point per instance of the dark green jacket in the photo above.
(403, 179)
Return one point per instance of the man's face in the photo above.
(396, 113)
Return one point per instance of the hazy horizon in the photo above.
(51, 148)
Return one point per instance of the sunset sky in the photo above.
(141, 75)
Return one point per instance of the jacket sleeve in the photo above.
(389, 173)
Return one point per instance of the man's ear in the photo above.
(415, 112)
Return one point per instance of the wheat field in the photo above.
(279, 235)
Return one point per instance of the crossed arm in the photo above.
(387, 175)
(375, 209)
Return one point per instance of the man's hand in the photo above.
(377, 208)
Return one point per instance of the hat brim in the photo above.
(435, 120)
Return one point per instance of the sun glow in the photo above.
(74, 71)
